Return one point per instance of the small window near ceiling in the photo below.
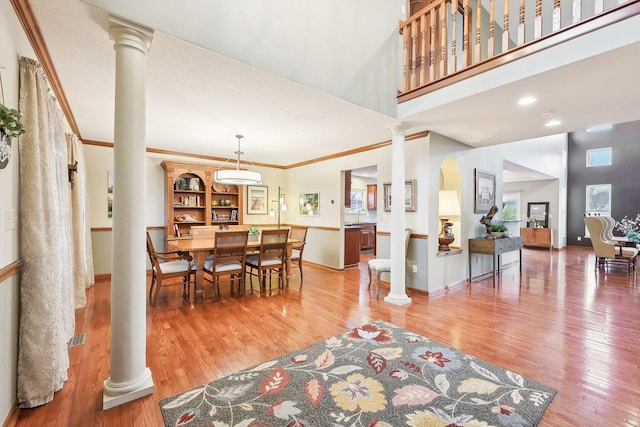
(599, 157)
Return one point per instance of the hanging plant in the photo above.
(10, 121)
(10, 126)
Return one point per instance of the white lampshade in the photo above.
(237, 176)
(448, 204)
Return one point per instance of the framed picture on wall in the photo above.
(409, 196)
(257, 199)
(484, 191)
(309, 204)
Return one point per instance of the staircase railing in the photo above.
(450, 37)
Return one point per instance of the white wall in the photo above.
(13, 44)
(543, 154)
(546, 155)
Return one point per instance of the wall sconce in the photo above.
(448, 206)
(282, 206)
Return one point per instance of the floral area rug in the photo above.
(372, 376)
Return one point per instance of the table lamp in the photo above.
(448, 206)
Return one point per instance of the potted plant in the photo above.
(10, 126)
(630, 227)
(254, 232)
(498, 229)
(10, 123)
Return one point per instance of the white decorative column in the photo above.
(397, 294)
(130, 378)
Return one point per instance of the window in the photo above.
(357, 200)
(511, 206)
(599, 157)
(598, 201)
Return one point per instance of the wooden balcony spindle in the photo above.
(415, 58)
(521, 24)
(424, 45)
(555, 24)
(443, 41)
(478, 45)
(492, 30)
(466, 34)
(598, 7)
(432, 46)
(454, 36)
(505, 32)
(407, 58)
(537, 23)
(577, 11)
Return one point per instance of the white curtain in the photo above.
(83, 276)
(47, 318)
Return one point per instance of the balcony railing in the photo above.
(450, 40)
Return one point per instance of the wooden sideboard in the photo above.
(537, 237)
(494, 247)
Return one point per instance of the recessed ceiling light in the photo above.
(553, 122)
(527, 100)
(600, 128)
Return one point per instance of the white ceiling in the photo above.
(198, 99)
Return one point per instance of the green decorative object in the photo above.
(10, 126)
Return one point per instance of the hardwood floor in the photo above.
(561, 323)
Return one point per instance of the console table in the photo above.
(495, 247)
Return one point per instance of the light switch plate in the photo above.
(11, 219)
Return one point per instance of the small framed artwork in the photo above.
(194, 184)
(409, 196)
(309, 204)
(485, 191)
(257, 199)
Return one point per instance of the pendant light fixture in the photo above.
(237, 176)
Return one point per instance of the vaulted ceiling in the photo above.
(303, 80)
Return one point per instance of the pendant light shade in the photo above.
(237, 176)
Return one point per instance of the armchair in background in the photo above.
(608, 251)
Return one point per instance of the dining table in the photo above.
(201, 248)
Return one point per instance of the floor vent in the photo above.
(78, 339)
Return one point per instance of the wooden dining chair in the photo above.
(298, 232)
(204, 231)
(168, 265)
(270, 259)
(229, 256)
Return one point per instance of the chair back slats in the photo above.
(273, 243)
(203, 231)
(231, 246)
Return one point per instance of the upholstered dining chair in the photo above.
(608, 251)
(168, 265)
(381, 265)
(298, 232)
(229, 256)
(270, 259)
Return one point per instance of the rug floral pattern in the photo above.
(376, 375)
